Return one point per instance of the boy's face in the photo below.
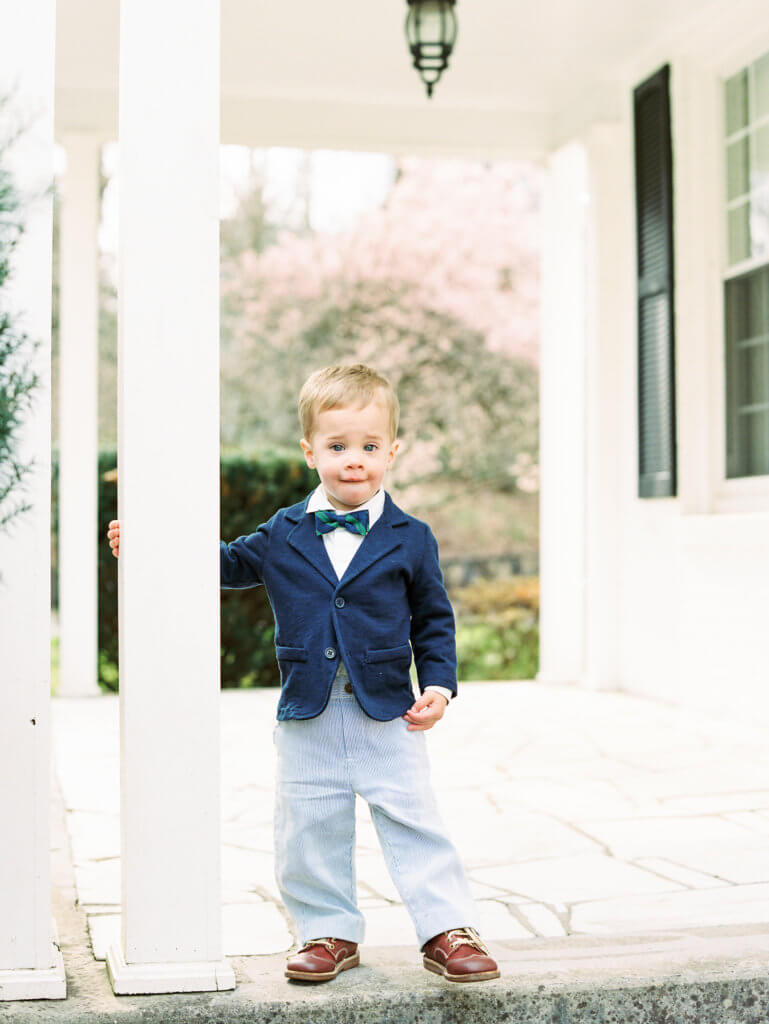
(351, 450)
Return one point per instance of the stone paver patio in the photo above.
(576, 813)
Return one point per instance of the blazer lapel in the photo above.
(304, 539)
(381, 539)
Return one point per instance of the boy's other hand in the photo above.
(114, 536)
(426, 711)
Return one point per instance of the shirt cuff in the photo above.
(444, 691)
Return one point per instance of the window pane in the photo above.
(748, 307)
(759, 224)
(737, 102)
(754, 443)
(759, 171)
(737, 169)
(761, 86)
(747, 374)
(739, 233)
(753, 375)
(754, 299)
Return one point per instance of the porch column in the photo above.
(78, 418)
(168, 498)
(562, 418)
(30, 962)
(610, 334)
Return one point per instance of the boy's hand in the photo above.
(114, 536)
(426, 711)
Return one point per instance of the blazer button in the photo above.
(339, 602)
(330, 652)
(348, 687)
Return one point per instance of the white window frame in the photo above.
(750, 493)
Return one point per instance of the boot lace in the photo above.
(466, 937)
(327, 943)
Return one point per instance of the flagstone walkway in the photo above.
(576, 813)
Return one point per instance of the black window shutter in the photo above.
(656, 337)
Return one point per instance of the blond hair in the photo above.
(334, 386)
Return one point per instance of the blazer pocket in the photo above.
(390, 654)
(291, 653)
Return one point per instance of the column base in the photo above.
(158, 979)
(31, 983)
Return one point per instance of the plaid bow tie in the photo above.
(356, 522)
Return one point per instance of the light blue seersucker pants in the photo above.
(322, 763)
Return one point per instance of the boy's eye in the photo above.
(337, 446)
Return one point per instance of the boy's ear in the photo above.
(394, 448)
(308, 456)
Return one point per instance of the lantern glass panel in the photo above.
(430, 20)
(450, 29)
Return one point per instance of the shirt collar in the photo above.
(375, 505)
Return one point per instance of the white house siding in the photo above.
(694, 570)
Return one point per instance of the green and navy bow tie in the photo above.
(356, 522)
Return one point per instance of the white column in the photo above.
(562, 418)
(610, 291)
(30, 963)
(168, 471)
(78, 418)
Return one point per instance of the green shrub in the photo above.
(251, 490)
(498, 629)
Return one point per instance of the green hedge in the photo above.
(251, 490)
(498, 628)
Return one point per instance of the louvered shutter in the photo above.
(656, 340)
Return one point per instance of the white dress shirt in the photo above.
(341, 544)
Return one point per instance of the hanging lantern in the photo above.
(431, 31)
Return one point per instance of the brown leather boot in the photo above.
(322, 959)
(459, 955)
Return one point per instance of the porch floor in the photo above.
(618, 849)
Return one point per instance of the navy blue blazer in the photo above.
(390, 599)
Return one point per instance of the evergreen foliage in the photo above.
(17, 380)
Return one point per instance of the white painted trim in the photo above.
(158, 979)
(738, 269)
(748, 495)
(491, 132)
(41, 983)
(697, 242)
(721, 37)
(495, 132)
(744, 40)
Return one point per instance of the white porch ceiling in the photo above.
(338, 73)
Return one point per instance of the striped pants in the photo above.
(323, 763)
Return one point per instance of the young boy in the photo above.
(355, 585)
